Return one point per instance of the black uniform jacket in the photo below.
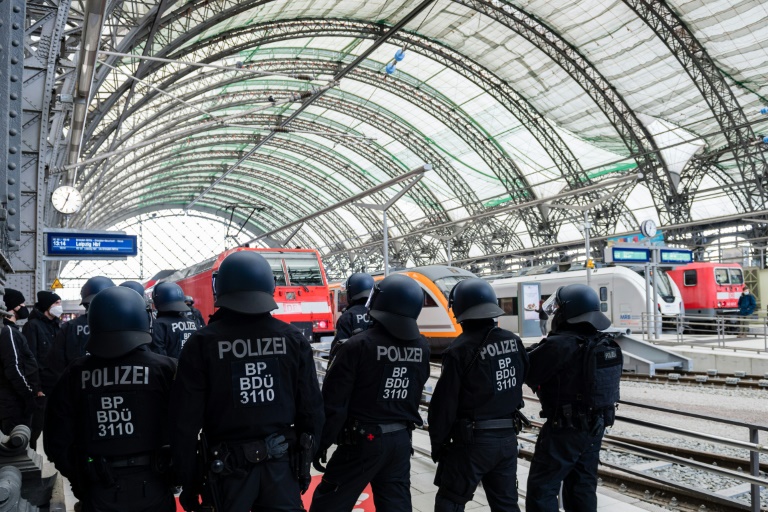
(555, 366)
(197, 316)
(374, 378)
(19, 380)
(170, 331)
(68, 345)
(108, 407)
(242, 378)
(491, 388)
(40, 332)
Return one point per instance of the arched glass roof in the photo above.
(509, 101)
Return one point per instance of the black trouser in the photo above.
(138, 489)
(570, 456)
(384, 462)
(268, 486)
(492, 459)
(38, 420)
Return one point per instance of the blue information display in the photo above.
(630, 255)
(90, 244)
(675, 256)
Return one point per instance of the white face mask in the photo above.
(56, 311)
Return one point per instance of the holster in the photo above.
(97, 470)
(463, 432)
(521, 422)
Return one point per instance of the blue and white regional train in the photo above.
(621, 291)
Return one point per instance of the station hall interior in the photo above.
(621, 144)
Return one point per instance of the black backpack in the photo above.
(603, 364)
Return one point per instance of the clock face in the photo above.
(648, 228)
(67, 199)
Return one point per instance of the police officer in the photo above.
(568, 446)
(372, 392)
(20, 388)
(40, 331)
(194, 313)
(105, 424)
(70, 341)
(172, 328)
(473, 415)
(248, 380)
(139, 288)
(355, 317)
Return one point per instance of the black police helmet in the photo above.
(245, 284)
(93, 286)
(189, 300)
(359, 285)
(396, 303)
(134, 285)
(579, 304)
(169, 297)
(118, 322)
(473, 299)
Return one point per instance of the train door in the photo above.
(604, 289)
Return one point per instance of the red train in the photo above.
(301, 290)
(709, 289)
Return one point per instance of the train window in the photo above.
(604, 307)
(446, 284)
(509, 305)
(603, 293)
(721, 275)
(303, 269)
(342, 301)
(690, 278)
(736, 276)
(429, 302)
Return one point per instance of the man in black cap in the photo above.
(70, 341)
(106, 422)
(473, 415)
(40, 331)
(19, 379)
(576, 372)
(372, 392)
(248, 381)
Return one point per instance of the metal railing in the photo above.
(754, 446)
(697, 329)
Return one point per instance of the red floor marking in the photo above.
(364, 504)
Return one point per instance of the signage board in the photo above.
(528, 297)
(83, 244)
(623, 254)
(675, 256)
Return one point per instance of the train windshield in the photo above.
(276, 263)
(725, 276)
(665, 288)
(446, 284)
(304, 269)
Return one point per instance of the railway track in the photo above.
(700, 379)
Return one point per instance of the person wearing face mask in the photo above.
(40, 331)
(747, 305)
(19, 379)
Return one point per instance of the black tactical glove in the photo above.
(189, 499)
(320, 458)
(276, 445)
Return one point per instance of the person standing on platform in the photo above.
(70, 341)
(355, 317)
(20, 389)
(106, 423)
(172, 327)
(194, 313)
(139, 288)
(248, 381)
(372, 391)
(40, 331)
(543, 318)
(474, 414)
(576, 372)
(747, 305)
